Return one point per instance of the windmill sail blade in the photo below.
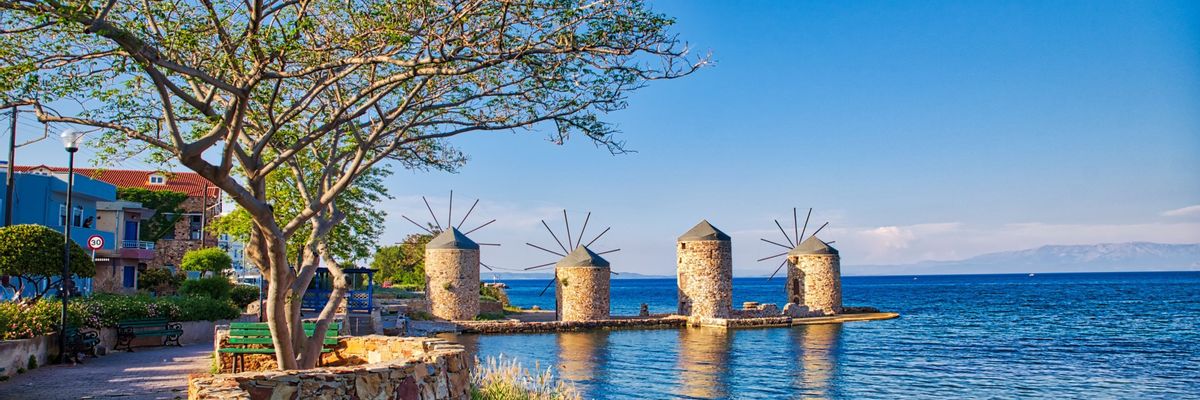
(480, 227)
(777, 269)
(545, 249)
(598, 237)
(819, 229)
(614, 272)
(805, 223)
(481, 264)
(777, 244)
(540, 266)
(464, 219)
(564, 248)
(487, 244)
(795, 222)
(418, 225)
(768, 258)
(567, 222)
(547, 286)
(585, 221)
(450, 211)
(431, 214)
(610, 251)
(785, 235)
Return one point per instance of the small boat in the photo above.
(1030, 274)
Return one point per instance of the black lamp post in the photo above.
(70, 139)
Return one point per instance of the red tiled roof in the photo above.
(190, 183)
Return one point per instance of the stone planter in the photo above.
(361, 367)
(14, 354)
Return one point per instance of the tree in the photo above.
(31, 253)
(403, 263)
(325, 90)
(166, 205)
(211, 259)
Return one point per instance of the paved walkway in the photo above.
(146, 373)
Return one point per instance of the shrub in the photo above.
(216, 287)
(34, 252)
(487, 292)
(32, 364)
(420, 316)
(410, 287)
(502, 379)
(20, 320)
(490, 317)
(160, 281)
(243, 295)
(212, 259)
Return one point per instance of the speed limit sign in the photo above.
(96, 242)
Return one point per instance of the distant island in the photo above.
(1105, 257)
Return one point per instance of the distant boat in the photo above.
(1030, 274)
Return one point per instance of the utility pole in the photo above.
(9, 180)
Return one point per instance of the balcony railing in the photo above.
(137, 244)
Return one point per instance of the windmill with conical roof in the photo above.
(814, 275)
(582, 276)
(452, 266)
(705, 272)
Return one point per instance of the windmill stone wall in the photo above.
(705, 272)
(582, 286)
(817, 269)
(452, 276)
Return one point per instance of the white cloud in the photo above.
(1189, 211)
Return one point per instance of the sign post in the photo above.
(95, 242)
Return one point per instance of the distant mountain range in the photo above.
(1105, 257)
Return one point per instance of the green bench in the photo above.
(242, 334)
(81, 341)
(130, 329)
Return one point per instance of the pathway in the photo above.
(146, 373)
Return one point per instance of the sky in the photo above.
(918, 130)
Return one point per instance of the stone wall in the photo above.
(366, 367)
(822, 278)
(14, 354)
(705, 272)
(193, 332)
(510, 326)
(170, 251)
(452, 283)
(582, 293)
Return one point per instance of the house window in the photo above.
(62, 215)
(194, 227)
(157, 179)
(129, 276)
(77, 216)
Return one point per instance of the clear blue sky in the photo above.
(921, 130)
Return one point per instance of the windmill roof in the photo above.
(704, 231)
(452, 239)
(813, 246)
(582, 257)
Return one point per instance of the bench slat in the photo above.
(237, 340)
(256, 351)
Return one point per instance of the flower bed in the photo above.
(20, 320)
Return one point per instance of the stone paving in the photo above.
(146, 373)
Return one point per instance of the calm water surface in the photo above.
(1119, 335)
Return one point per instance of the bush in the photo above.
(243, 295)
(490, 317)
(20, 320)
(212, 259)
(34, 252)
(502, 379)
(32, 364)
(487, 292)
(216, 287)
(420, 316)
(160, 281)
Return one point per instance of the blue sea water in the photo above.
(1102, 335)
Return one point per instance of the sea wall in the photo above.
(502, 327)
(366, 367)
(452, 283)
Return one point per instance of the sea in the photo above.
(1076, 335)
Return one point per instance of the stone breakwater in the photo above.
(661, 322)
(367, 367)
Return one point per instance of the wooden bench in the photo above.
(81, 341)
(242, 334)
(130, 329)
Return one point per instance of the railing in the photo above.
(137, 244)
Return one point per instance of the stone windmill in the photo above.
(582, 276)
(814, 276)
(452, 266)
(705, 272)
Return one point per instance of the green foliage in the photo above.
(404, 263)
(166, 205)
(33, 252)
(448, 286)
(394, 293)
(216, 287)
(243, 295)
(21, 320)
(494, 294)
(211, 259)
(420, 316)
(160, 281)
(32, 364)
(506, 379)
(490, 317)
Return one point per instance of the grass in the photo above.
(506, 379)
(420, 316)
(490, 317)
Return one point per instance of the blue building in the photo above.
(41, 199)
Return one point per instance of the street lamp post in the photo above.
(70, 139)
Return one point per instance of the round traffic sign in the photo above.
(96, 242)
